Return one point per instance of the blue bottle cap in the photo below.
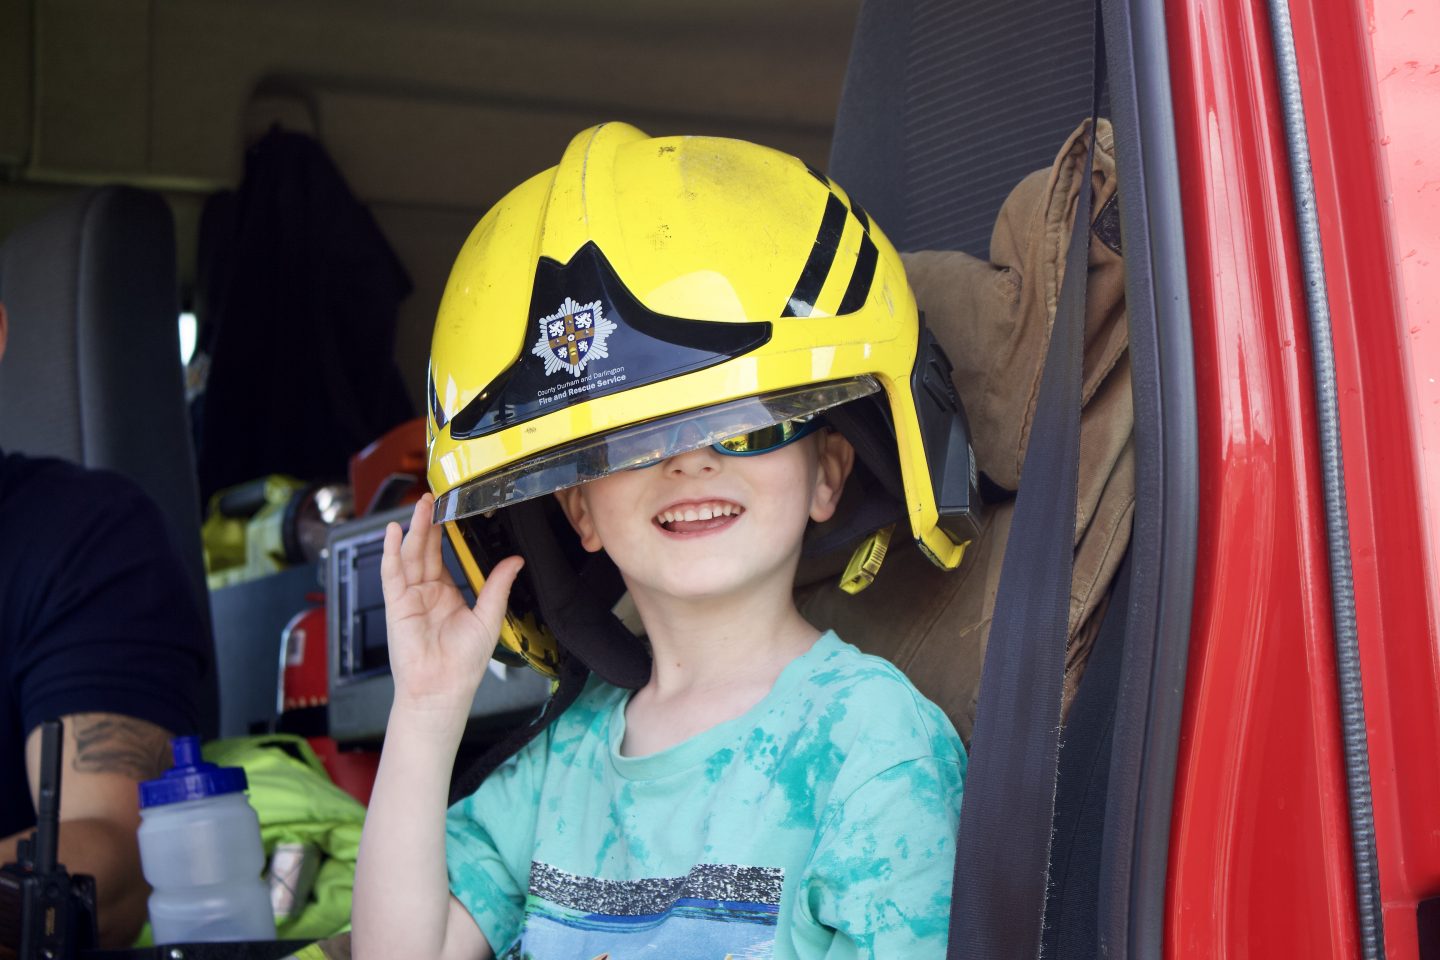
(191, 778)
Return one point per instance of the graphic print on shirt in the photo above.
(713, 912)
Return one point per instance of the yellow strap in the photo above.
(866, 560)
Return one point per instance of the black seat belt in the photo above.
(1002, 861)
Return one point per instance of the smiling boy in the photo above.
(767, 790)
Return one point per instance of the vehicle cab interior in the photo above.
(225, 231)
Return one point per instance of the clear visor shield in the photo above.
(644, 444)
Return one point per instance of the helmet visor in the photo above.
(650, 442)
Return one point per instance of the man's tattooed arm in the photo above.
(105, 755)
(110, 743)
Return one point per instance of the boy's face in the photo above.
(702, 525)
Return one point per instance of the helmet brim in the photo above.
(642, 445)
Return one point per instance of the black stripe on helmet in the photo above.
(817, 267)
(818, 175)
(862, 216)
(859, 286)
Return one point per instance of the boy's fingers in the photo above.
(495, 594)
(412, 551)
(434, 562)
(392, 581)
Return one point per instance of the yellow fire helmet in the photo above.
(649, 296)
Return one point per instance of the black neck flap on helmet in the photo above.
(574, 598)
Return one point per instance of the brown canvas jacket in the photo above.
(994, 321)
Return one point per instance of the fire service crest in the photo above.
(572, 336)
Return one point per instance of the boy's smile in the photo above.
(698, 517)
(704, 526)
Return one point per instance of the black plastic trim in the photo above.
(945, 438)
(644, 347)
(232, 950)
(437, 412)
(1427, 923)
(1135, 856)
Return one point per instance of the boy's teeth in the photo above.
(705, 511)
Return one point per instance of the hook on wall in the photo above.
(282, 102)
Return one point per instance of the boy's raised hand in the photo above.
(439, 646)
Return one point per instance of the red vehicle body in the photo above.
(1260, 853)
(1260, 860)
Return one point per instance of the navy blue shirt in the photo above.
(96, 613)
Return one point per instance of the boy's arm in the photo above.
(402, 902)
(439, 649)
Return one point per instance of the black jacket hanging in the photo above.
(302, 373)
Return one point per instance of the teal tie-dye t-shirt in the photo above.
(821, 823)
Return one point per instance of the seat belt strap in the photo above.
(1006, 820)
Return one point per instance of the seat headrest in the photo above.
(92, 371)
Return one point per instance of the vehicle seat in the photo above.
(92, 373)
(975, 118)
(993, 320)
(947, 106)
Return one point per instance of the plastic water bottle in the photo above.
(200, 850)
